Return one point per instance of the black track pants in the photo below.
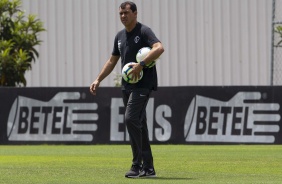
(135, 101)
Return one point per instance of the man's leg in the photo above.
(148, 169)
(146, 148)
(136, 102)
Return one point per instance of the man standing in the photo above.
(135, 96)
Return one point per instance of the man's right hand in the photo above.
(94, 86)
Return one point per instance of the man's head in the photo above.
(132, 5)
(128, 14)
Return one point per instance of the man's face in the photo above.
(127, 17)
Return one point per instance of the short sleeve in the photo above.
(115, 51)
(150, 37)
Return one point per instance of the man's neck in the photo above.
(131, 27)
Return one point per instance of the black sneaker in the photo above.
(148, 172)
(133, 172)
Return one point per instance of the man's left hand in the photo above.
(136, 69)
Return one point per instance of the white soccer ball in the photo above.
(142, 53)
(128, 78)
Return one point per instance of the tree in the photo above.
(18, 38)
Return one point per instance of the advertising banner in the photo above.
(175, 115)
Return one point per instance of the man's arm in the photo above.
(156, 51)
(106, 70)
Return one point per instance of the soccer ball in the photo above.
(128, 78)
(142, 53)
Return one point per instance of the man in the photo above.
(135, 96)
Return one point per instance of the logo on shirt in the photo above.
(136, 39)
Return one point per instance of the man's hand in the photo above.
(94, 86)
(136, 69)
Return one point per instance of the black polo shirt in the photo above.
(127, 44)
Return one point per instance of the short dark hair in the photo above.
(133, 6)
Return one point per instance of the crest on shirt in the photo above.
(136, 39)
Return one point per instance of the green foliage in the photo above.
(18, 38)
(117, 79)
(278, 30)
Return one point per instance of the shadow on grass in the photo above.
(166, 178)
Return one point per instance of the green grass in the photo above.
(108, 164)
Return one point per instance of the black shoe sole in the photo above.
(132, 176)
(148, 176)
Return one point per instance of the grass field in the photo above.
(173, 163)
